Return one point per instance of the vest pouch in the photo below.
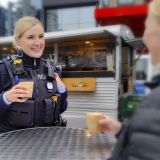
(21, 115)
(49, 105)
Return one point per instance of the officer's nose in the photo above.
(37, 42)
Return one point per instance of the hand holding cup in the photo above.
(29, 86)
(92, 119)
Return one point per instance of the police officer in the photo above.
(48, 100)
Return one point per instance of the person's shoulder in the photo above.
(1, 62)
(152, 99)
(10, 59)
(2, 67)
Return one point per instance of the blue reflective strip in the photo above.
(17, 78)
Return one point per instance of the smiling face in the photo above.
(32, 41)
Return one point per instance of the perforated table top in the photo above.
(53, 143)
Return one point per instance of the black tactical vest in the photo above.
(43, 108)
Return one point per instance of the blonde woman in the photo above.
(139, 139)
(17, 108)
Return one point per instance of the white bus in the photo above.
(96, 65)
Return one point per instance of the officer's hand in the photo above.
(110, 125)
(58, 79)
(17, 93)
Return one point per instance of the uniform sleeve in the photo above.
(64, 102)
(5, 84)
(61, 88)
(5, 81)
(124, 125)
(5, 99)
(3, 105)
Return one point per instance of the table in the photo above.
(53, 143)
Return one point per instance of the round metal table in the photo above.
(53, 143)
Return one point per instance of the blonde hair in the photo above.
(154, 11)
(24, 24)
(154, 7)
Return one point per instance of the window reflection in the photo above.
(122, 2)
(70, 18)
(93, 55)
(141, 69)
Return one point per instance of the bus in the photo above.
(96, 68)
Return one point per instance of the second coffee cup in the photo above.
(92, 119)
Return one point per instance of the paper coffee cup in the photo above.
(29, 85)
(92, 119)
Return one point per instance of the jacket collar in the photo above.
(30, 62)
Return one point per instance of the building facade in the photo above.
(15, 10)
(75, 14)
(69, 14)
(2, 21)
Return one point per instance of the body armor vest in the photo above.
(43, 108)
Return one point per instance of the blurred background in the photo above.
(72, 14)
(118, 69)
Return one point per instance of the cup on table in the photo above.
(92, 119)
(29, 85)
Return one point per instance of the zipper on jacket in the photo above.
(37, 101)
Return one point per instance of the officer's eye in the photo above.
(30, 37)
(41, 36)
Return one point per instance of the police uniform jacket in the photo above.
(42, 109)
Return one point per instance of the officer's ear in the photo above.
(17, 42)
